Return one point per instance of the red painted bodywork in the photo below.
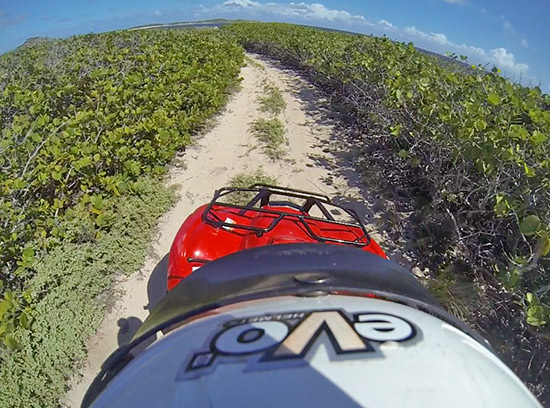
(198, 242)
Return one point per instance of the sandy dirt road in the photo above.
(313, 162)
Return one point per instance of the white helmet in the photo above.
(305, 325)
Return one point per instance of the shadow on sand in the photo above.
(156, 290)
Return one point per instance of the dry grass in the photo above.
(456, 294)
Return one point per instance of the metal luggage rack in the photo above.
(263, 196)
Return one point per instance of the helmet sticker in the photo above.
(288, 337)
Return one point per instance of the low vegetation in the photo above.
(464, 151)
(245, 180)
(270, 130)
(271, 133)
(456, 293)
(72, 283)
(87, 126)
(272, 100)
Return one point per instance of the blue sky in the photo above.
(512, 34)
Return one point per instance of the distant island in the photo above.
(214, 23)
(31, 41)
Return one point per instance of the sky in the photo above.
(510, 34)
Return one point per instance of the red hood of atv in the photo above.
(198, 242)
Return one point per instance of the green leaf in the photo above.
(5, 306)
(544, 244)
(530, 225)
(24, 320)
(493, 99)
(134, 79)
(480, 124)
(514, 276)
(403, 153)
(534, 319)
(395, 130)
(139, 186)
(452, 78)
(424, 82)
(529, 171)
(538, 137)
(501, 207)
(164, 135)
(11, 343)
(101, 220)
(399, 95)
(28, 254)
(508, 154)
(537, 313)
(96, 73)
(97, 201)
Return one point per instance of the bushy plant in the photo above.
(70, 291)
(81, 120)
(87, 126)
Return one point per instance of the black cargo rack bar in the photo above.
(263, 195)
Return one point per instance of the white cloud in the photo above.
(316, 12)
(524, 42)
(510, 30)
(506, 24)
(7, 21)
(385, 23)
(241, 3)
(437, 38)
(157, 13)
(500, 57)
(312, 11)
(506, 60)
(459, 2)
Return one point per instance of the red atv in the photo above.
(271, 215)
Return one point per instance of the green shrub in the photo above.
(87, 126)
(81, 120)
(71, 290)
